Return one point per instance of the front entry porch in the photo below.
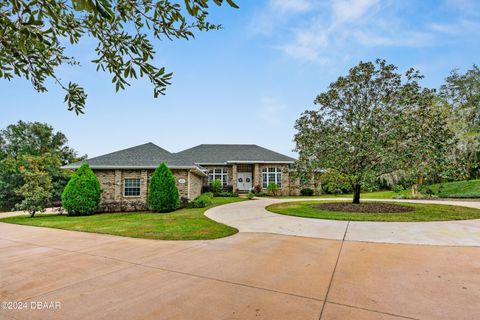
(244, 179)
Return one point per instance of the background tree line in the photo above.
(31, 156)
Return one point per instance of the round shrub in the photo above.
(82, 194)
(306, 192)
(162, 192)
(201, 201)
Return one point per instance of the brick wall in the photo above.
(112, 182)
(196, 183)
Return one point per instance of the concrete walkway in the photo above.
(251, 216)
(79, 275)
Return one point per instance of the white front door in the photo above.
(244, 181)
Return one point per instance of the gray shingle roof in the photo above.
(224, 153)
(147, 155)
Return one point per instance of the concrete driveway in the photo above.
(252, 216)
(277, 267)
(246, 276)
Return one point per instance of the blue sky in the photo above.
(249, 82)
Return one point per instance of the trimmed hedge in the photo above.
(306, 192)
(163, 194)
(82, 194)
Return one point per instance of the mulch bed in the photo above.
(363, 207)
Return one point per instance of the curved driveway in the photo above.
(251, 216)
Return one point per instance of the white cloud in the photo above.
(351, 10)
(277, 12)
(291, 5)
(326, 31)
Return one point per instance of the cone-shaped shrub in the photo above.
(162, 192)
(82, 194)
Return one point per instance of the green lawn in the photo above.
(457, 189)
(364, 195)
(184, 224)
(423, 212)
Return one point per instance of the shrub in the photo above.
(216, 186)
(226, 194)
(208, 194)
(228, 188)
(162, 192)
(397, 188)
(250, 195)
(306, 192)
(257, 189)
(82, 194)
(272, 189)
(201, 201)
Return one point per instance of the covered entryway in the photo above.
(244, 181)
(244, 177)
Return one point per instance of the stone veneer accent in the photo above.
(288, 186)
(111, 182)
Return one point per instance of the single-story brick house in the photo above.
(124, 175)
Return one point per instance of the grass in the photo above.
(184, 224)
(423, 212)
(457, 189)
(364, 195)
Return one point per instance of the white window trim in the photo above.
(223, 172)
(139, 188)
(278, 173)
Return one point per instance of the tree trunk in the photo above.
(416, 186)
(415, 191)
(32, 214)
(356, 193)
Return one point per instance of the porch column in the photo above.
(256, 175)
(234, 177)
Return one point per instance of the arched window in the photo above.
(218, 174)
(271, 175)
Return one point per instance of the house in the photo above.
(242, 166)
(124, 175)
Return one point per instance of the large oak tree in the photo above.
(367, 125)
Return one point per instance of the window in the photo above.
(218, 174)
(271, 175)
(131, 187)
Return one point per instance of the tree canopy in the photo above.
(24, 144)
(35, 34)
(35, 139)
(367, 125)
(462, 92)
